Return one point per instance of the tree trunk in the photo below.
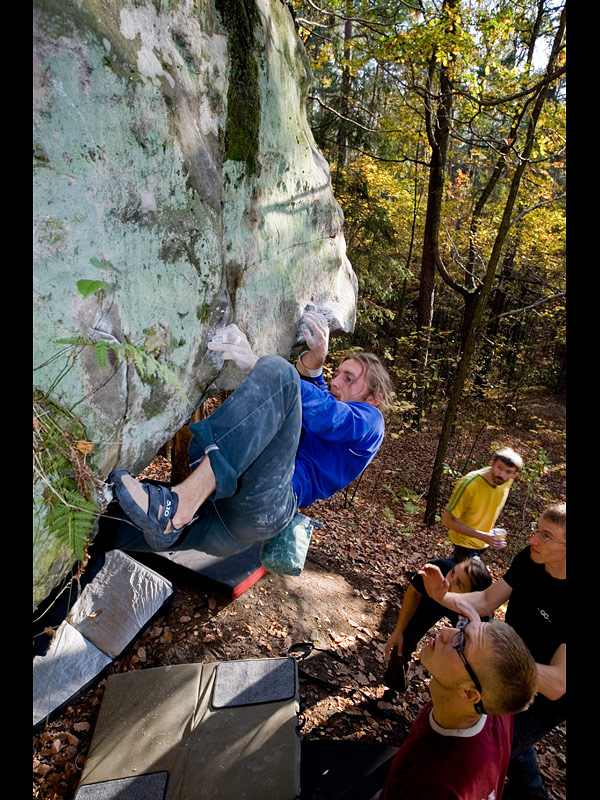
(497, 307)
(438, 127)
(180, 444)
(471, 339)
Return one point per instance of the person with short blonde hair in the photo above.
(459, 746)
(419, 613)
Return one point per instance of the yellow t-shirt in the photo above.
(478, 504)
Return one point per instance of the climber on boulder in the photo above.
(279, 442)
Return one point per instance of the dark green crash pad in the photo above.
(214, 731)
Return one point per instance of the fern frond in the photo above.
(71, 522)
(101, 353)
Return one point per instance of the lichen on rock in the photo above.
(174, 167)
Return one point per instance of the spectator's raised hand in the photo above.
(233, 344)
(435, 584)
(316, 333)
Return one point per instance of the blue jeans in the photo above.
(530, 726)
(251, 441)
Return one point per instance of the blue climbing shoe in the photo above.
(162, 505)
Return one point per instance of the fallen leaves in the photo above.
(84, 447)
(346, 601)
(81, 726)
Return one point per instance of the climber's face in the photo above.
(349, 385)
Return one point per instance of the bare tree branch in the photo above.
(525, 308)
(520, 216)
(347, 119)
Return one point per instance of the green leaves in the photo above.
(88, 287)
(145, 363)
(63, 480)
(101, 353)
(96, 262)
(71, 522)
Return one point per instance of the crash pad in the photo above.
(108, 615)
(218, 730)
(237, 572)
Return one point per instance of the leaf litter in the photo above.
(345, 603)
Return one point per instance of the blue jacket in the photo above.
(337, 442)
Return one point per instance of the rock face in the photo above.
(177, 187)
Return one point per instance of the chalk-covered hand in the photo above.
(316, 333)
(233, 344)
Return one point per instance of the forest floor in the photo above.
(348, 596)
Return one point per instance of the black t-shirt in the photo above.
(537, 606)
(537, 611)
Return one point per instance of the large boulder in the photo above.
(177, 188)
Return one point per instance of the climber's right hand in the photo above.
(316, 333)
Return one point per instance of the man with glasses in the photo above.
(535, 587)
(459, 745)
(418, 614)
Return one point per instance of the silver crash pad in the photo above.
(108, 615)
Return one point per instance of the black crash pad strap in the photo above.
(303, 650)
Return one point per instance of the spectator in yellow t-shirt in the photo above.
(476, 502)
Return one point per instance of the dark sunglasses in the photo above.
(458, 643)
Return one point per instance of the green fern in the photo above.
(72, 521)
(66, 483)
(146, 365)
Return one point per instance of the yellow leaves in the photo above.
(460, 186)
(325, 55)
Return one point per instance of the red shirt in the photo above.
(436, 764)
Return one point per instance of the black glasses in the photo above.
(458, 643)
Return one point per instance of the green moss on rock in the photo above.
(240, 18)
